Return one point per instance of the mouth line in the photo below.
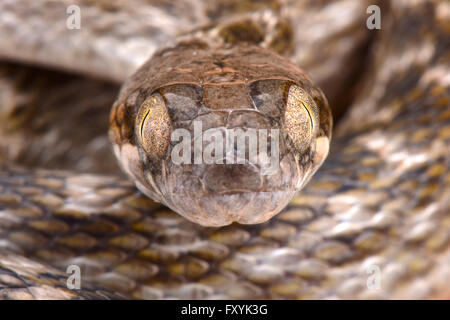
(237, 192)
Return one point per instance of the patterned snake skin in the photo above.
(380, 202)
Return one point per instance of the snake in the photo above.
(358, 209)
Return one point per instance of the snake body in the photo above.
(379, 203)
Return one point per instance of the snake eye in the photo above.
(299, 116)
(153, 127)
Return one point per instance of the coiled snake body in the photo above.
(372, 223)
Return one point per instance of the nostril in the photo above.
(229, 178)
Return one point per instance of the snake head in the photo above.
(220, 135)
